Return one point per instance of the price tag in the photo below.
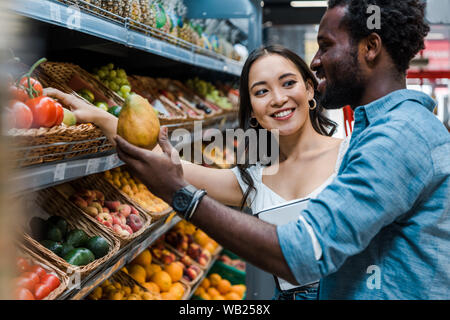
(153, 44)
(92, 166)
(73, 17)
(55, 12)
(60, 172)
(112, 161)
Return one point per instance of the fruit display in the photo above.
(188, 270)
(114, 79)
(217, 157)
(215, 287)
(33, 282)
(73, 245)
(163, 280)
(28, 107)
(196, 244)
(236, 263)
(210, 92)
(138, 123)
(135, 190)
(123, 218)
(118, 289)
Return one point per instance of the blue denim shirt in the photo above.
(384, 222)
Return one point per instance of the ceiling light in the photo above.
(309, 4)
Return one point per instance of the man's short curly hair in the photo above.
(403, 27)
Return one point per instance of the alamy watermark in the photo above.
(374, 20)
(374, 280)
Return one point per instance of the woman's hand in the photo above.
(86, 113)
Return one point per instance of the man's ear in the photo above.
(372, 46)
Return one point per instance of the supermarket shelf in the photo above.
(119, 31)
(123, 257)
(46, 175)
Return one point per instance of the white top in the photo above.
(266, 198)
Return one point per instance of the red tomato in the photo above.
(23, 282)
(33, 276)
(51, 280)
(39, 271)
(41, 291)
(35, 84)
(22, 114)
(59, 114)
(23, 294)
(44, 111)
(18, 93)
(22, 264)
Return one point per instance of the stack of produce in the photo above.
(208, 91)
(159, 280)
(214, 287)
(124, 219)
(29, 108)
(136, 190)
(33, 281)
(236, 263)
(73, 245)
(114, 290)
(114, 79)
(189, 271)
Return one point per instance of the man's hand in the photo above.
(162, 173)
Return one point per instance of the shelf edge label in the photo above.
(92, 166)
(60, 172)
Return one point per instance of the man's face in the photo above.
(336, 63)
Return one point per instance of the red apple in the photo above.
(123, 220)
(191, 273)
(127, 228)
(105, 209)
(116, 220)
(117, 228)
(135, 222)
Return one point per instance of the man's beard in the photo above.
(347, 87)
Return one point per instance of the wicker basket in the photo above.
(56, 205)
(155, 215)
(94, 182)
(33, 146)
(47, 265)
(76, 78)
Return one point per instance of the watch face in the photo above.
(181, 202)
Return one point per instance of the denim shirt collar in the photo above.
(373, 110)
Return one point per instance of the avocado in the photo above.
(60, 222)
(79, 256)
(53, 233)
(66, 248)
(77, 238)
(53, 246)
(98, 245)
(38, 228)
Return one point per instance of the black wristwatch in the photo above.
(185, 201)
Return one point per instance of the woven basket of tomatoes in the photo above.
(37, 279)
(41, 129)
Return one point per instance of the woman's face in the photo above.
(278, 94)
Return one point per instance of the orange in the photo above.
(205, 296)
(212, 292)
(224, 286)
(143, 259)
(137, 272)
(210, 247)
(199, 291)
(205, 283)
(201, 238)
(214, 278)
(151, 286)
(232, 296)
(218, 297)
(167, 296)
(163, 280)
(175, 270)
(239, 289)
(177, 290)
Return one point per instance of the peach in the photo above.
(112, 205)
(125, 210)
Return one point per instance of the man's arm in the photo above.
(249, 237)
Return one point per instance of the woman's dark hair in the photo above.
(402, 31)
(320, 122)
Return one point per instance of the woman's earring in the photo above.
(315, 105)
(253, 122)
